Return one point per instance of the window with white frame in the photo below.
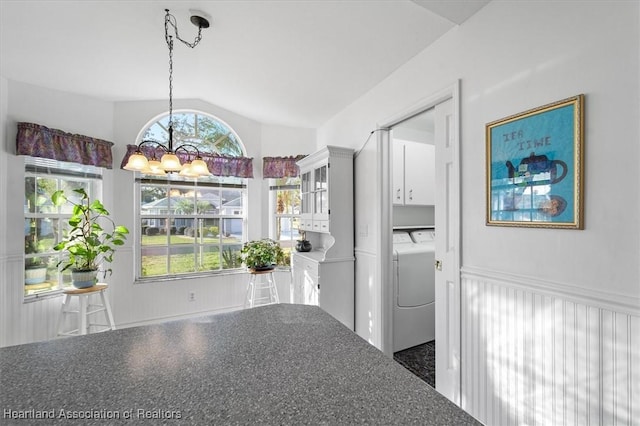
(46, 224)
(185, 226)
(284, 203)
(190, 227)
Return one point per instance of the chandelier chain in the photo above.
(170, 42)
(170, 20)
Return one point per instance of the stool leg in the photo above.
(84, 301)
(107, 310)
(273, 289)
(248, 302)
(63, 311)
(252, 300)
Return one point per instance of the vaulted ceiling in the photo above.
(288, 62)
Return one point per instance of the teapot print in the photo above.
(535, 164)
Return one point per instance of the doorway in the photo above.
(447, 241)
(413, 246)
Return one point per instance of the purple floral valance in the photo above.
(279, 167)
(219, 165)
(40, 141)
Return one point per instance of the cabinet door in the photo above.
(419, 162)
(397, 153)
(321, 193)
(306, 195)
(305, 280)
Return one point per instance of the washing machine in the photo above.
(414, 288)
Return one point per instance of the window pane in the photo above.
(154, 261)
(181, 259)
(208, 201)
(68, 186)
(150, 196)
(154, 231)
(232, 202)
(231, 256)
(209, 231)
(45, 187)
(208, 258)
(231, 230)
(186, 233)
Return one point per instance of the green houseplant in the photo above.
(261, 254)
(88, 244)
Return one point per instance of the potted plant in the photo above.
(87, 244)
(261, 255)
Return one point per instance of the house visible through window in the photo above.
(45, 224)
(188, 226)
(284, 203)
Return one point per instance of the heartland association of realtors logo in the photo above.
(62, 413)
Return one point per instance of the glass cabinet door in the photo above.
(321, 199)
(305, 194)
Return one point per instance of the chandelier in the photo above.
(169, 162)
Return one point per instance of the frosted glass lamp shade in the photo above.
(137, 162)
(199, 167)
(187, 171)
(170, 162)
(154, 168)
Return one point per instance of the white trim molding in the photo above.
(538, 353)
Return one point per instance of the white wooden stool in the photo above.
(260, 286)
(85, 309)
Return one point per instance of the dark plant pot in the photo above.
(84, 279)
(303, 245)
(263, 268)
(35, 275)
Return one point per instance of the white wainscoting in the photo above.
(132, 304)
(542, 353)
(368, 315)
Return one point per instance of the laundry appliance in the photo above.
(413, 288)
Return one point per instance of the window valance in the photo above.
(39, 141)
(279, 167)
(219, 165)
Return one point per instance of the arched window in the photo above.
(205, 132)
(192, 226)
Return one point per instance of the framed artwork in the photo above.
(535, 167)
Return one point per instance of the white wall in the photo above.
(24, 322)
(120, 123)
(510, 57)
(284, 141)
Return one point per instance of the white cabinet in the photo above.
(305, 280)
(323, 176)
(325, 275)
(328, 283)
(413, 173)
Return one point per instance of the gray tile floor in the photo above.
(420, 360)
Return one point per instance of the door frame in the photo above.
(451, 92)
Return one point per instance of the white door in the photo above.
(447, 213)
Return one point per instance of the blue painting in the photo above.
(534, 162)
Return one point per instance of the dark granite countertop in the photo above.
(277, 364)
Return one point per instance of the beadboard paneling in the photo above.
(132, 304)
(534, 356)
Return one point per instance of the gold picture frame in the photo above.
(535, 167)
